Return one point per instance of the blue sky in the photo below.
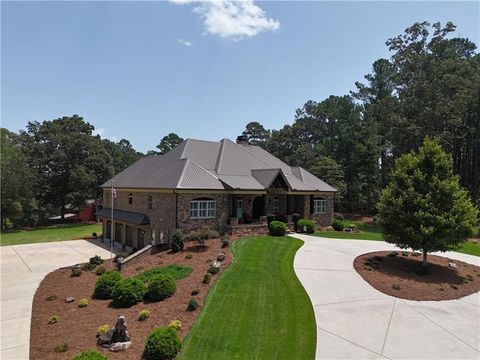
(139, 70)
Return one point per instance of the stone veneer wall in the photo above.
(327, 218)
(186, 224)
(162, 214)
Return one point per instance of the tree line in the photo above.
(430, 86)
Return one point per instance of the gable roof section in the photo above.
(197, 164)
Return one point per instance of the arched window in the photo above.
(130, 198)
(203, 208)
(319, 206)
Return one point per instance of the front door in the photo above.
(257, 208)
(239, 208)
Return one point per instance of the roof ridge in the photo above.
(182, 155)
(220, 155)
(242, 148)
(182, 174)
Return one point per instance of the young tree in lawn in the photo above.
(424, 207)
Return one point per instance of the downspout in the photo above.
(176, 210)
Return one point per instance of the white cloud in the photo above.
(101, 133)
(232, 19)
(98, 132)
(184, 42)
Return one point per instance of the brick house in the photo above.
(205, 183)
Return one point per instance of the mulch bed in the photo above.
(396, 276)
(78, 326)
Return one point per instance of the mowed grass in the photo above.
(257, 309)
(373, 232)
(58, 233)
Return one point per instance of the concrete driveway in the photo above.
(22, 269)
(356, 321)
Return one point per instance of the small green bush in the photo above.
(160, 288)
(83, 303)
(309, 225)
(195, 292)
(90, 355)
(176, 271)
(338, 225)
(213, 270)
(192, 305)
(105, 284)
(207, 278)
(189, 256)
(177, 241)
(88, 267)
(53, 319)
(127, 292)
(100, 270)
(103, 329)
(96, 260)
(76, 272)
(202, 234)
(396, 287)
(62, 348)
(51, 298)
(143, 315)
(224, 229)
(175, 324)
(162, 344)
(277, 228)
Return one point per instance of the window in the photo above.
(130, 198)
(202, 209)
(150, 202)
(319, 206)
(276, 206)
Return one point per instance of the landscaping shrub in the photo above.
(100, 270)
(96, 260)
(177, 241)
(62, 348)
(277, 228)
(189, 256)
(51, 298)
(338, 225)
(213, 270)
(160, 287)
(127, 292)
(176, 271)
(192, 305)
(88, 267)
(143, 315)
(83, 303)
(225, 243)
(90, 355)
(53, 319)
(307, 224)
(175, 324)
(224, 229)
(102, 330)
(338, 216)
(207, 278)
(105, 284)
(202, 234)
(163, 343)
(195, 292)
(270, 218)
(76, 272)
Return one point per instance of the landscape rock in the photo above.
(452, 266)
(117, 338)
(70, 299)
(221, 257)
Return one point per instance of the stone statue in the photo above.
(117, 338)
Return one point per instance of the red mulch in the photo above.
(78, 326)
(441, 283)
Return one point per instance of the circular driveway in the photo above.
(23, 267)
(356, 321)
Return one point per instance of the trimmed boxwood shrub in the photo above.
(127, 292)
(338, 225)
(160, 287)
(277, 228)
(90, 355)
(105, 283)
(177, 241)
(163, 343)
(310, 226)
(96, 260)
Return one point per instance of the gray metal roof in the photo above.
(125, 216)
(198, 164)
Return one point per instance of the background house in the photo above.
(205, 183)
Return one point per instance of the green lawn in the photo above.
(59, 233)
(257, 309)
(372, 232)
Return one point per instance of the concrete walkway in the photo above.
(356, 321)
(22, 269)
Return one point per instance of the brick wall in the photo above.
(185, 223)
(327, 218)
